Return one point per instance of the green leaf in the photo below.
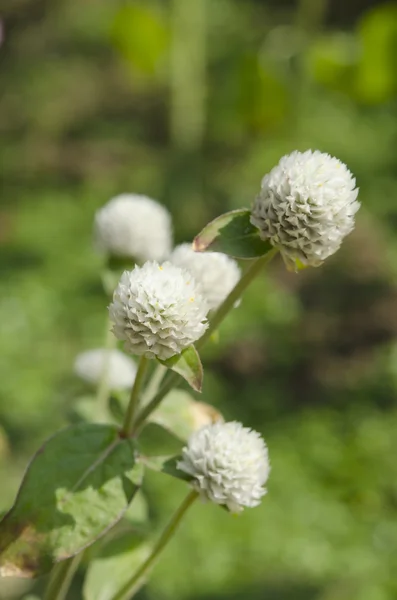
(167, 465)
(188, 365)
(232, 234)
(155, 440)
(78, 485)
(181, 414)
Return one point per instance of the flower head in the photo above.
(158, 310)
(134, 226)
(306, 206)
(214, 272)
(229, 464)
(120, 369)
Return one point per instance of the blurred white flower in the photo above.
(214, 272)
(306, 206)
(229, 464)
(158, 310)
(134, 226)
(120, 368)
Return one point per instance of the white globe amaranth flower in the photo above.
(214, 272)
(120, 369)
(229, 464)
(133, 225)
(306, 206)
(158, 310)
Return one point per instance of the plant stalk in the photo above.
(253, 270)
(134, 398)
(61, 578)
(147, 410)
(139, 577)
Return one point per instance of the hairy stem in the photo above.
(139, 577)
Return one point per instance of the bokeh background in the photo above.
(192, 102)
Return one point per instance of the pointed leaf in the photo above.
(232, 234)
(167, 465)
(188, 365)
(181, 414)
(155, 440)
(78, 485)
(117, 561)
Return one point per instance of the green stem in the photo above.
(253, 270)
(134, 398)
(61, 578)
(136, 581)
(250, 274)
(153, 404)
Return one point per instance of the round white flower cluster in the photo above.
(229, 464)
(135, 226)
(306, 206)
(158, 310)
(120, 369)
(214, 272)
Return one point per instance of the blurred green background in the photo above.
(192, 102)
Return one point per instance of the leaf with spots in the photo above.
(77, 486)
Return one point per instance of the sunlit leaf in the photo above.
(77, 486)
(232, 233)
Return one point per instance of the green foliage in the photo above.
(78, 485)
(233, 234)
(360, 64)
(188, 365)
(305, 358)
